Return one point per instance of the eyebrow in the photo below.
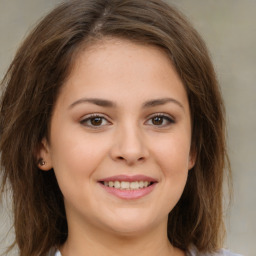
(111, 104)
(95, 101)
(158, 102)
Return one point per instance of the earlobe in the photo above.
(192, 159)
(44, 161)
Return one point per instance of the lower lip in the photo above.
(129, 194)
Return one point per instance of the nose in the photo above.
(129, 146)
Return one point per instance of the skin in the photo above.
(126, 140)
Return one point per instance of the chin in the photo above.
(130, 231)
(129, 225)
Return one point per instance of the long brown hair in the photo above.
(31, 87)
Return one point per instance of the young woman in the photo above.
(112, 134)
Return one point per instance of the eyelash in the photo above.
(91, 117)
(165, 117)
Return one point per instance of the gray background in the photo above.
(229, 29)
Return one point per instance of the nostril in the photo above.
(122, 158)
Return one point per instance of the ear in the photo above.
(44, 161)
(192, 159)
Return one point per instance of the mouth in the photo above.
(128, 187)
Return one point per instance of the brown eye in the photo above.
(96, 121)
(157, 120)
(160, 120)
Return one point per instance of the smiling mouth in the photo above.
(129, 187)
(126, 185)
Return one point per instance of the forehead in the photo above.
(120, 50)
(118, 67)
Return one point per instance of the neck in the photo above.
(83, 241)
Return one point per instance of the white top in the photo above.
(192, 252)
(57, 253)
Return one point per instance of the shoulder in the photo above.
(224, 252)
(57, 253)
(54, 252)
(194, 252)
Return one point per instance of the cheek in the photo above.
(75, 157)
(174, 166)
(173, 153)
(172, 156)
(173, 161)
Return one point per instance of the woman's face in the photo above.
(120, 139)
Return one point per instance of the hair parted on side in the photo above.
(32, 84)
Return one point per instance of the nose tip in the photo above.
(129, 147)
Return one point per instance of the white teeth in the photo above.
(134, 185)
(126, 185)
(117, 184)
(141, 184)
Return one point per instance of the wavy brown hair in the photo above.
(31, 86)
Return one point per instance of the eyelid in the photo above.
(168, 117)
(87, 117)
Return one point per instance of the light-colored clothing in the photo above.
(57, 253)
(192, 252)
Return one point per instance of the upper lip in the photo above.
(129, 178)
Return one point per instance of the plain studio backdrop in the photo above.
(229, 29)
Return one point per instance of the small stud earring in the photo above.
(42, 162)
